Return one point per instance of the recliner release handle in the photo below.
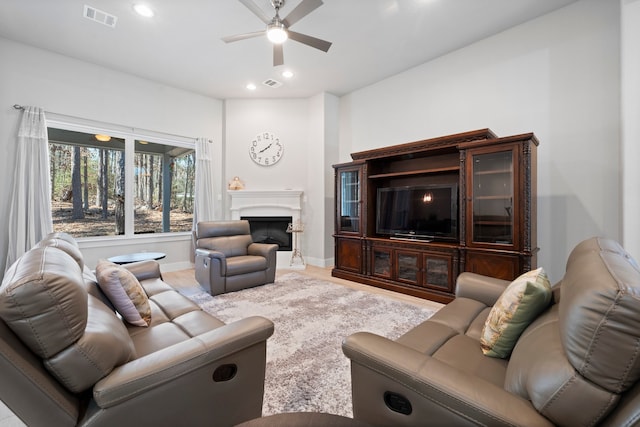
(225, 372)
(397, 403)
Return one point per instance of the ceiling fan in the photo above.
(278, 28)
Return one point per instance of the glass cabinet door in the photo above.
(382, 262)
(492, 210)
(349, 200)
(437, 271)
(408, 266)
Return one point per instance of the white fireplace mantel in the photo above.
(266, 203)
(251, 203)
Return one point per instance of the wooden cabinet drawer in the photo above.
(348, 255)
(500, 266)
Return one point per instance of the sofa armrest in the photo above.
(214, 256)
(211, 254)
(437, 391)
(262, 249)
(144, 269)
(480, 288)
(169, 364)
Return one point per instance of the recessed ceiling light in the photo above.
(251, 86)
(143, 10)
(287, 74)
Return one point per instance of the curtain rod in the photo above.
(134, 130)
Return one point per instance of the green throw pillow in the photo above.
(517, 307)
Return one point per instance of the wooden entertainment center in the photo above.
(494, 232)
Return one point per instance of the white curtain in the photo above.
(204, 204)
(30, 205)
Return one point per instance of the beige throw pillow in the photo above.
(125, 293)
(518, 306)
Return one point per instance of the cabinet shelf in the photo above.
(494, 172)
(415, 172)
(492, 223)
(494, 197)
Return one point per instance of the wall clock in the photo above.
(266, 149)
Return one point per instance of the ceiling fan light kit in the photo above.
(278, 29)
(277, 33)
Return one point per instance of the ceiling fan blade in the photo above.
(244, 36)
(320, 44)
(301, 10)
(256, 10)
(278, 56)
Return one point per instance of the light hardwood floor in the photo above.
(185, 280)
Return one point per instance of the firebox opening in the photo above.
(271, 229)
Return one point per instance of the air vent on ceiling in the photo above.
(100, 16)
(272, 83)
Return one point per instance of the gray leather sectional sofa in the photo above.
(577, 364)
(67, 358)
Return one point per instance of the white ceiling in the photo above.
(181, 46)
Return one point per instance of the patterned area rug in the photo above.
(306, 369)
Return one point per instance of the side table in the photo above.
(135, 257)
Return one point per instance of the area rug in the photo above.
(306, 369)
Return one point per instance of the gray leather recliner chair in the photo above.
(227, 259)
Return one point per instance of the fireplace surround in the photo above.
(268, 203)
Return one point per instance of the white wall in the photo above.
(307, 128)
(322, 154)
(332, 156)
(288, 119)
(66, 86)
(630, 26)
(557, 76)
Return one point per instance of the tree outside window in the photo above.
(88, 181)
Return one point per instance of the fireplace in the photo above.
(269, 203)
(271, 229)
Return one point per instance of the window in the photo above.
(109, 183)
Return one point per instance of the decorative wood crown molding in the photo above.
(442, 142)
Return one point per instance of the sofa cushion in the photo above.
(65, 243)
(157, 337)
(43, 300)
(245, 264)
(175, 318)
(230, 246)
(125, 292)
(464, 353)
(600, 311)
(104, 345)
(520, 303)
(540, 372)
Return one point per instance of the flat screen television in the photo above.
(428, 212)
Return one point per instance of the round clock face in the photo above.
(266, 149)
